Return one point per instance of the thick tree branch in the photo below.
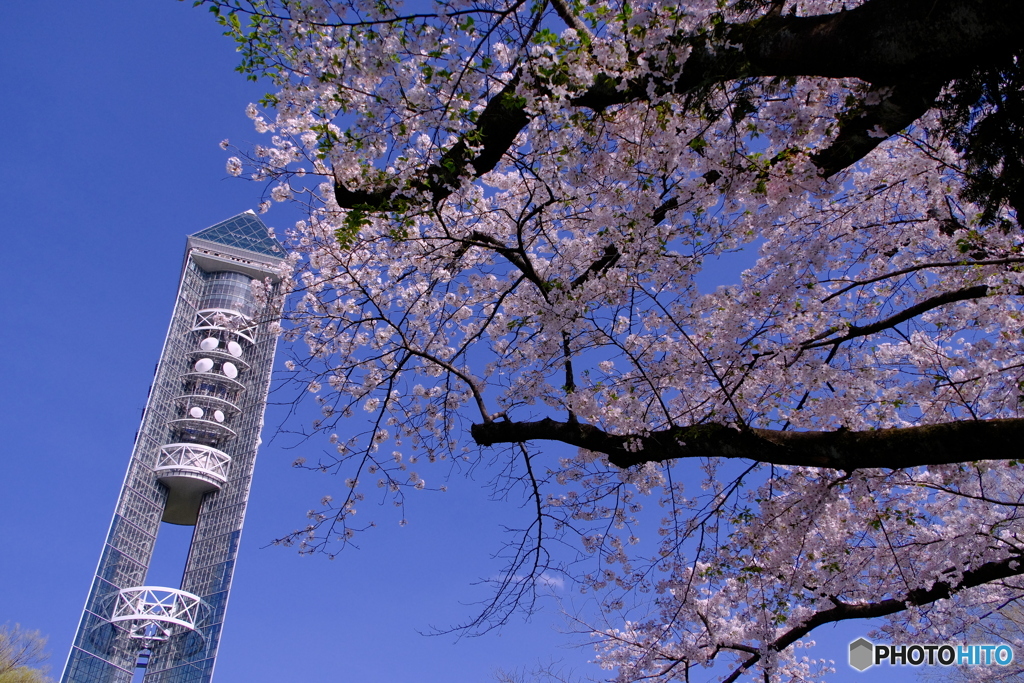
(888, 41)
(986, 573)
(900, 106)
(913, 46)
(936, 444)
(513, 255)
(475, 154)
(608, 260)
(854, 331)
(922, 266)
(941, 590)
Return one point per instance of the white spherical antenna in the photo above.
(209, 344)
(230, 370)
(195, 411)
(235, 349)
(204, 365)
(218, 416)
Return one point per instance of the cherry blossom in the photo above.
(514, 210)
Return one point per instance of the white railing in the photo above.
(212, 378)
(202, 429)
(193, 457)
(219, 355)
(156, 613)
(225, 319)
(206, 401)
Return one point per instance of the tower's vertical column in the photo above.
(192, 464)
(211, 559)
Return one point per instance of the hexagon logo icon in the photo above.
(862, 654)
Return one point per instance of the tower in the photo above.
(192, 464)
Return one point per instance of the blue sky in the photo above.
(113, 110)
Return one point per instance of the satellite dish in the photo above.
(209, 344)
(230, 370)
(195, 411)
(218, 416)
(204, 365)
(235, 349)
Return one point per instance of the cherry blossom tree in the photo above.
(516, 215)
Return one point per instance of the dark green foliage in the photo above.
(983, 116)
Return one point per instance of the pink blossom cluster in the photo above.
(571, 281)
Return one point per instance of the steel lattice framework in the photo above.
(152, 613)
(192, 464)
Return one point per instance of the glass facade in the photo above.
(244, 231)
(210, 389)
(232, 291)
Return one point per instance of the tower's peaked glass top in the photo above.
(244, 231)
(192, 465)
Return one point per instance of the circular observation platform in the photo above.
(208, 403)
(189, 471)
(221, 357)
(225, 320)
(201, 429)
(214, 379)
(154, 613)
